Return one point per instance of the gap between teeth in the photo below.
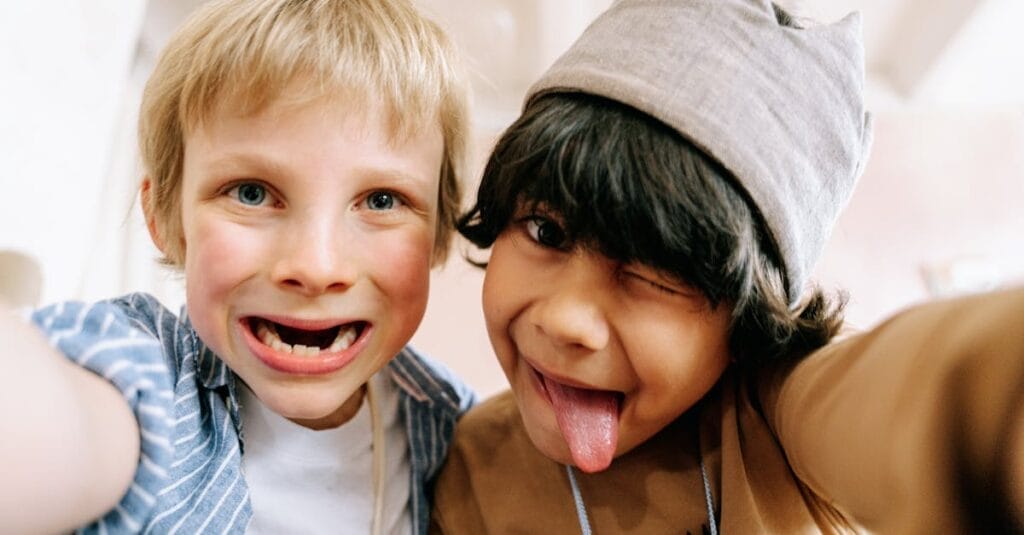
(268, 335)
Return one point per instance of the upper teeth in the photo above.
(268, 335)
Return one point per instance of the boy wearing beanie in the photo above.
(653, 218)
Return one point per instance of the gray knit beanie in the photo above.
(780, 107)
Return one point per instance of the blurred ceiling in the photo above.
(949, 53)
(920, 53)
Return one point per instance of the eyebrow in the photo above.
(232, 160)
(265, 165)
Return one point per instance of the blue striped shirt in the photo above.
(189, 478)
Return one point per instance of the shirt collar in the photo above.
(422, 382)
(213, 373)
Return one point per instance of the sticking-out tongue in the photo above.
(589, 421)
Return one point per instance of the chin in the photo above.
(547, 439)
(305, 403)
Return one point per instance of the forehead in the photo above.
(250, 102)
(317, 137)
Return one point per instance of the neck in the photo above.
(339, 417)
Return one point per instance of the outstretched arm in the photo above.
(70, 442)
(918, 424)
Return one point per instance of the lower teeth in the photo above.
(269, 336)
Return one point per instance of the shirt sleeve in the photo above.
(103, 339)
(911, 426)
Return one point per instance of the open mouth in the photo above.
(305, 342)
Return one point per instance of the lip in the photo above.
(322, 364)
(537, 382)
(539, 375)
(306, 324)
(556, 377)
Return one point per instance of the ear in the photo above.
(146, 192)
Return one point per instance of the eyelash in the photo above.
(234, 191)
(396, 199)
(657, 286)
(533, 224)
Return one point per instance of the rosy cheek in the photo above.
(218, 258)
(403, 267)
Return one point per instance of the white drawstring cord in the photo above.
(378, 460)
(581, 508)
(577, 496)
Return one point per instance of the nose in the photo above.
(573, 313)
(312, 258)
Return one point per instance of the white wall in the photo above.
(938, 203)
(65, 68)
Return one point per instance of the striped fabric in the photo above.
(189, 477)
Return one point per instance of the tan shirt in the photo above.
(912, 427)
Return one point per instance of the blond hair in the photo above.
(250, 52)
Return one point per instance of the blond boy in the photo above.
(302, 170)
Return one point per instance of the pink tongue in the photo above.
(589, 421)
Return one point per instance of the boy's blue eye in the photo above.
(546, 232)
(381, 200)
(251, 194)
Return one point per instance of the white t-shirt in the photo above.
(306, 481)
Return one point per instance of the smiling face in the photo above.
(600, 355)
(308, 234)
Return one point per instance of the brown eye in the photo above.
(546, 232)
